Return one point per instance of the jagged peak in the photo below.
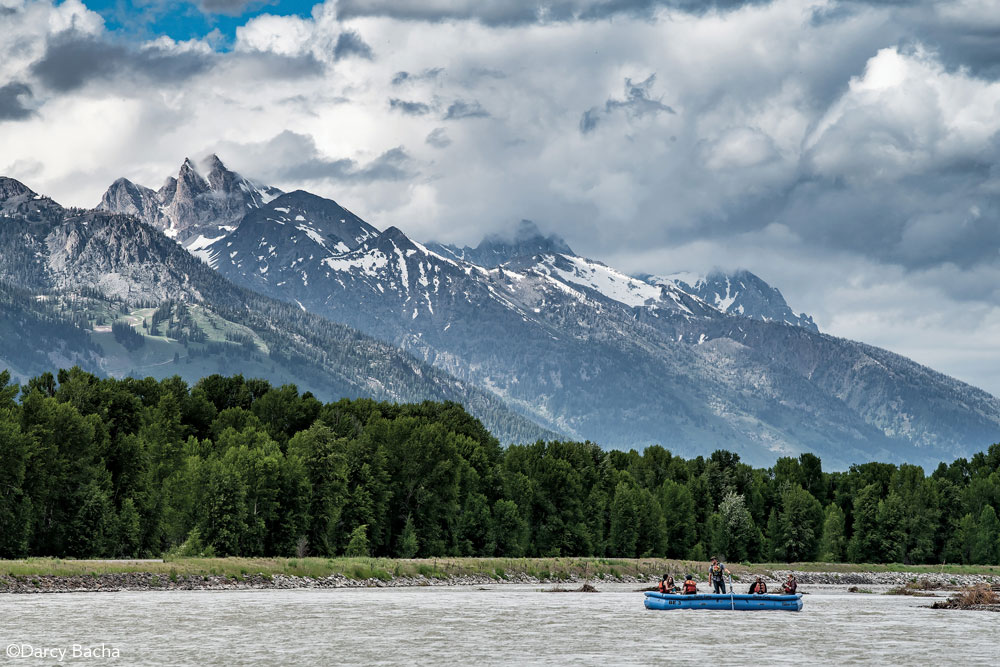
(213, 163)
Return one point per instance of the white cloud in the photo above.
(838, 158)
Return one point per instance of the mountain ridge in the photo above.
(101, 268)
(720, 361)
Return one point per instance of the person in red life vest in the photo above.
(790, 585)
(690, 587)
(667, 585)
(717, 576)
(758, 587)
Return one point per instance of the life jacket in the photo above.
(790, 587)
(690, 587)
(664, 588)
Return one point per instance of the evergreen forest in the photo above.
(95, 467)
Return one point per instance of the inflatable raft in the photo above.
(724, 602)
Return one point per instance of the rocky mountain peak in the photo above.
(196, 206)
(739, 293)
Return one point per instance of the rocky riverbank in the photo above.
(144, 581)
(925, 579)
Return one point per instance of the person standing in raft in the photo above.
(690, 587)
(758, 587)
(717, 575)
(667, 584)
(790, 585)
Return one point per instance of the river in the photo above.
(464, 625)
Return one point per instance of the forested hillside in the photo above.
(229, 466)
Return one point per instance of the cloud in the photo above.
(850, 158)
(438, 138)
(461, 109)
(402, 77)
(292, 157)
(409, 108)
(231, 7)
(73, 58)
(519, 12)
(636, 104)
(349, 43)
(11, 105)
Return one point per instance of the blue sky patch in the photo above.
(188, 19)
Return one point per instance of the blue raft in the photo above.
(724, 602)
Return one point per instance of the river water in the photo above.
(465, 625)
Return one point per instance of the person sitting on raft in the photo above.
(790, 585)
(758, 587)
(717, 574)
(690, 587)
(667, 585)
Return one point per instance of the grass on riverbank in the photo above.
(496, 568)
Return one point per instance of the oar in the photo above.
(732, 600)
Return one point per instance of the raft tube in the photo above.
(724, 602)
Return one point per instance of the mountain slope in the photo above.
(597, 354)
(97, 268)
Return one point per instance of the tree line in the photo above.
(93, 467)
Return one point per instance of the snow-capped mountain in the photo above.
(739, 293)
(191, 208)
(68, 274)
(584, 349)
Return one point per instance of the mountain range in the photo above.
(69, 276)
(536, 339)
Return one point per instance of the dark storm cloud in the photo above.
(636, 103)
(72, 59)
(513, 12)
(462, 109)
(11, 104)
(350, 43)
(409, 108)
(961, 36)
(406, 77)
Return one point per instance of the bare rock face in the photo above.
(196, 206)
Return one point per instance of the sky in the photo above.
(844, 150)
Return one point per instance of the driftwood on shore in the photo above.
(981, 597)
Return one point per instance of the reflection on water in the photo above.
(501, 625)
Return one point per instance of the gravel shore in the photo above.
(144, 581)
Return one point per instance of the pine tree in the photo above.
(986, 545)
(358, 545)
(409, 545)
(865, 545)
(831, 546)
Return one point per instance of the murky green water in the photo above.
(462, 626)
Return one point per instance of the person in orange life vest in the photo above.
(717, 576)
(758, 587)
(690, 587)
(667, 585)
(790, 585)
